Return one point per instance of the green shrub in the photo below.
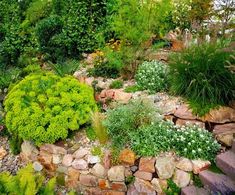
(132, 89)
(26, 182)
(9, 76)
(190, 141)
(117, 84)
(152, 76)
(172, 188)
(127, 118)
(199, 74)
(43, 107)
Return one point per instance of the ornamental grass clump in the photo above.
(200, 75)
(152, 76)
(44, 107)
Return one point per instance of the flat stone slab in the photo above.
(193, 190)
(217, 183)
(226, 162)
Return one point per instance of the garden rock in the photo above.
(53, 149)
(141, 187)
(27, 149)
(98, 170)
(3, 153)
(193, 190)
(147, 164)
(184, 112)
(104, 184)
(37, 166)
(80, 153)
(159, 185)
(93, 159)
(182, 122)
(107, 159)
(143, 175)
(116, 173)
(200, 165)
(220, 115)
(67, 160)
(79, 164)
(62, 169)
(165, 167)
(119, 186)
(127, 157)
(88, 180)
(56, 159)
(72, 177)
(226, 139)
(181, 178)
(184, 164)
(228, 128)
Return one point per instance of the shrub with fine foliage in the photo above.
(200, 75)
(44, 107)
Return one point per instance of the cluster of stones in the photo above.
(90, 174)
(221, 121)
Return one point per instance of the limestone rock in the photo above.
(228, 128)
(67, 160)
(143, 175)
(80, 153)
(159, 185)
(184, 164)
(79, 164)
(98, 170)
(119, 186)
(116, 173)
(53, 149)
(226, 139)
(220, 115)
(3, 153)
(181, 178)
(93, 159)
(184, 112)
(141, 187)
(88, 180)
(165, 167)
(200, 165)
(72, 177)
(37, 166)
(56, 159)
(147, 164)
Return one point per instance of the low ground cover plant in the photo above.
(152, 76)
(190, 141)
(44, 107)
(117, 84)
(200, 75)
(136, 125)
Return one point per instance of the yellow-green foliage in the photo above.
(26, 182)
(43, 107)
(99, 128)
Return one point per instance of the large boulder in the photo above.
(165, 167)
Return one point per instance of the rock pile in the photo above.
(91, 174)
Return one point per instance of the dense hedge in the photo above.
(44, 107)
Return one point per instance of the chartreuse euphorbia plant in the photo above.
(44, 107)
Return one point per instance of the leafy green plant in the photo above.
(99, 129)
(152, 76)
(132, 89)
(127, 118)
(9, 76)
(117, 84)
(44, 107)
(97, 151)
(26, 182)
(90, 133)
(190, 141)
(65, 68)
(199, 74)
(172, 188)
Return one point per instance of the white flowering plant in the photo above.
(189, 141)
(152, 76)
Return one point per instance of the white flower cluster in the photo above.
(152, 76)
